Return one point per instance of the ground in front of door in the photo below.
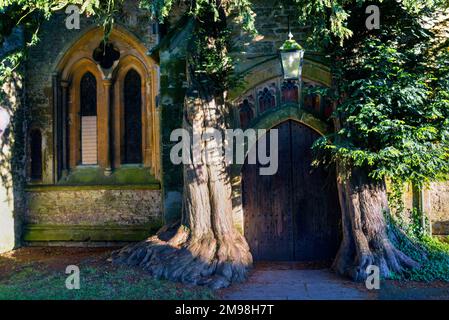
(294, 281)
(40, 273)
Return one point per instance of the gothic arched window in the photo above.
(132, 137)
(289, 91)
(88, 114)
(106, 113)
(246, 113)
(267, 100)
(36, 154)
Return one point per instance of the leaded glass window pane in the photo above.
(88, 113)
(132, 118)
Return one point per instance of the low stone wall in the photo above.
(437, 203)
(91, 214)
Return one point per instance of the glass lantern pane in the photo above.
(291, 62)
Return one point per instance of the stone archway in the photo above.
(293, 215)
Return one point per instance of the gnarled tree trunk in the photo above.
(366, 241)
(204, 248)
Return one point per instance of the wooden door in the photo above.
(293, 215)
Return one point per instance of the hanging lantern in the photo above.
(292, 55)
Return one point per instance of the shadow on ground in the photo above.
(294, 281)
(39, 273)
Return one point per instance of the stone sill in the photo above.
(77, 233)
(78, 244)
(50, 188)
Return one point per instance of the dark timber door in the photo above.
(293, 215)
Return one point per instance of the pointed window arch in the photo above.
(105, 114)
(132, 137)
(88, 113)
(36, 155)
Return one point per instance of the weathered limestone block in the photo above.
(94, 207)
(91, 215)
(437, 198)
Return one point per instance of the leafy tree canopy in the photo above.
(391, 90)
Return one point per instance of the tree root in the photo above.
(353, 261)
(206, 261)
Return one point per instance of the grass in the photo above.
(37, 281)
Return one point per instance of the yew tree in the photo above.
(205, 248)
(391, 117)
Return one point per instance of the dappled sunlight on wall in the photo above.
(6, 225)
(7, 236)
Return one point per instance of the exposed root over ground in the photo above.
(174, 255)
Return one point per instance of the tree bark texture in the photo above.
(205, 248)
(366, 240)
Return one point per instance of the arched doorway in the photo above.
(293, 215)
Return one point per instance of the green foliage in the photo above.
(290, 45)
(434, 262)
(9, 64)
(160, 9)
(211, 40)
(47, 7)
(106, 11)
(331, 22)
(396, 202)
(328, 20)
(411, 238)
(393, 108)
(208, 58)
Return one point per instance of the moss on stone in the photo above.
(290, 45)
(256, 72)
(122, 176)
(83, 233)
(51, 188)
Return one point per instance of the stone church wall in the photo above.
(80, 214)
(126, 207)
(436, 202)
